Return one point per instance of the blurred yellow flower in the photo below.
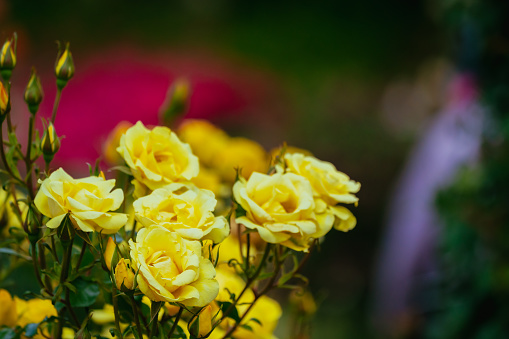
(88, 202)
(171, 268)
(112, 142)
(33, 310)
(209, 180)
(8, 312)
(205, 139)
(330, 187)
(241, 153)
(185, 209)
(280, 207)
(157, 157)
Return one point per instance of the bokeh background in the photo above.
(362, 84)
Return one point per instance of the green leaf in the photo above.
(86, 293)
(247, 327)
(8, 333)
(31, 329)
(233, 314)
(13, 252)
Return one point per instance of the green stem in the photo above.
(35, 261)
(136, 315)
(82, 253)
(175, 322)
(28, 160)
(55, 105)
(154, 312)
(114, 292)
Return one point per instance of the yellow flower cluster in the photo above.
(297, 203)
(174, 214)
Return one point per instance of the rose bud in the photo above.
(124, 275)
(33, 92)
(49, 143)
(8, 58)
(64, 67)
(177, 101)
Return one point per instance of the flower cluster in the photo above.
(187, 240)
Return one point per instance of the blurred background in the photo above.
(407, 97)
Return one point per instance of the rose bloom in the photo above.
(280, 207)
(171, 268)
(330, 187)
(185, 209)
(157, 157)
(88, 202)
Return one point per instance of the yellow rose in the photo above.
(240, 153)
(280, 207)
(205, 139)
(330, 187)
(185, 209)
(34, 310)
(88, 202)
(171, 268)
(157, 157)
(124, 274)
(8, 313)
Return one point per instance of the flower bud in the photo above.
(49, 143)
(4, 99)
(204, 322)
(8, 58)
(64, 67)
(124, 275)
(33, 92)
(177, 101)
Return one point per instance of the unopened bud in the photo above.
(4, 99)
(64, 67)
(33, 92)
(8, 58)
(109, 252)
(177, 101)
(50, 143)
(204, 323)
(124, 275)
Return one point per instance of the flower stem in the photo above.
(55, 105)
(175, 322)
(136, 315)
(114, 293)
